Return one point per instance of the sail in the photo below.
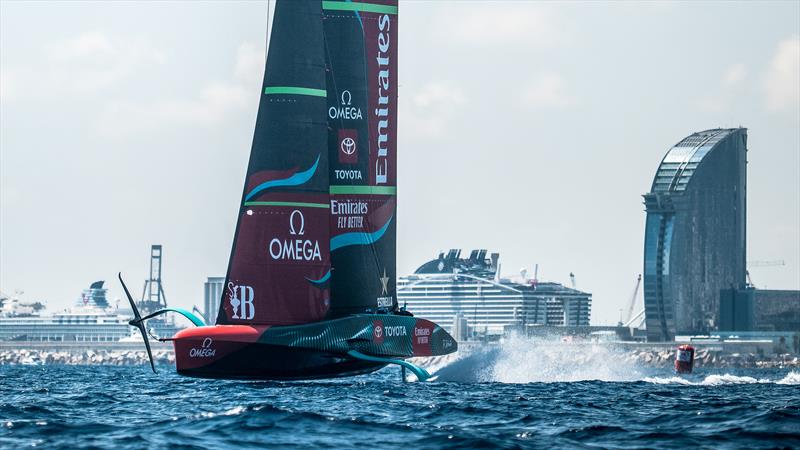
(280, 259)
(361, 57)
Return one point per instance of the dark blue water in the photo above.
(128, 407)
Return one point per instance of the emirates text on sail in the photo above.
(382, 163)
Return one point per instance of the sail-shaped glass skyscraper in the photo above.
(694, 243)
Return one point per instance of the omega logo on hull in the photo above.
(205, 351)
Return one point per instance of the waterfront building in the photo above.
(762, 310)
(694, 243)
(212, 293)
(467, 297)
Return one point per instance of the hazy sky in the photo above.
(531, 129)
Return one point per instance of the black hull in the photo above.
(274, 362)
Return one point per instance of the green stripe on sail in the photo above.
(373, 190)
(295, 204)
(362, 7)
(294, 90)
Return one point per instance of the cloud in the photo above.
(93, 65)
(734, 75)
(782, 81)
(250, 60)
(432, 109)
(216, 102)
(503, 23)
(723, 95)
(86, 64)
(548, 91)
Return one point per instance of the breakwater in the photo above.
(547, 355)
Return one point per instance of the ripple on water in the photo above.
(124, 407)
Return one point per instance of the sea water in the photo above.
(514, 396)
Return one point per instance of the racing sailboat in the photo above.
(310, 287)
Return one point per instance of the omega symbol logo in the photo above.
(295, 231)
(347, 98)
(207, 342)
(348, 146)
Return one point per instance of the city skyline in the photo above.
(127, 125)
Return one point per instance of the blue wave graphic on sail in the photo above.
(344, 240)
(360, 22)
(294, 180)
(322, 280)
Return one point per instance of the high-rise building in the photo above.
(212, 293)
(694, 243)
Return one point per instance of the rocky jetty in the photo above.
(714, 359)
(665, 358)
(599, 355)
(85, 357)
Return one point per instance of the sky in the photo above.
(531, 129)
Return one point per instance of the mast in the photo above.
(361, 58)
(280, 264)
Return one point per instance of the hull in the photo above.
(311, 351)
(275, 362)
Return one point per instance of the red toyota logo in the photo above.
(377, 332)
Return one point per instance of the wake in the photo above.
(526, 360)
(792, 378)
(537, 360)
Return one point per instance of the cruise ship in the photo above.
(468, 296)
(91, 319)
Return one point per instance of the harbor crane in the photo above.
(153, 297)
(751, 264)
(632, 301)
(629, 317)
(778, 262)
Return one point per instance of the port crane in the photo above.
(629, 318)
(153, 297)
(751, 264)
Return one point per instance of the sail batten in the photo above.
(295, 90)
(366, 190)
(361, 7)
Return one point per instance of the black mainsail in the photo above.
(280, 257)
(316, 232)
